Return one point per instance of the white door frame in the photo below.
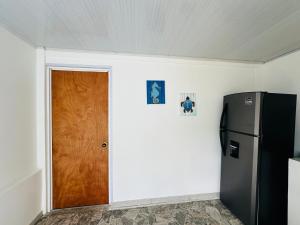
(48, 124)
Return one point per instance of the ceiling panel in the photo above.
(243, 30)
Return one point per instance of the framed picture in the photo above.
(188, 104)
(156, 92)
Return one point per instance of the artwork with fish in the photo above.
(155, 92)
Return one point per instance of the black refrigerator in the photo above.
(257, 139)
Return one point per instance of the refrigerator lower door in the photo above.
(239, 176)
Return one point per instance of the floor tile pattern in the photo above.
(191, 213)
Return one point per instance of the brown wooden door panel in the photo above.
(79, 127)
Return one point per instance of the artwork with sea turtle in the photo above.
(188, 104)
(155, 92)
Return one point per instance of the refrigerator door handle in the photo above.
(222, 121)
(223, 146)
(223, 129)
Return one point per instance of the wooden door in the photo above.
(79, 136)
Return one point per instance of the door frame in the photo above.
(48, 125)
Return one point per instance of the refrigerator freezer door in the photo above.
(239, 176)
(243, 112)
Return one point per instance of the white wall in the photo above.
(155, 152)
(283, 76)
(18, 155)
(20, 204)
(294, 192)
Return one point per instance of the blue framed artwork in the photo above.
(156, 92)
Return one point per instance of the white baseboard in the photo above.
(163, 201)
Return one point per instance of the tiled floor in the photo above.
(192, 213)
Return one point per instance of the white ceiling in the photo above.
(250, 30)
